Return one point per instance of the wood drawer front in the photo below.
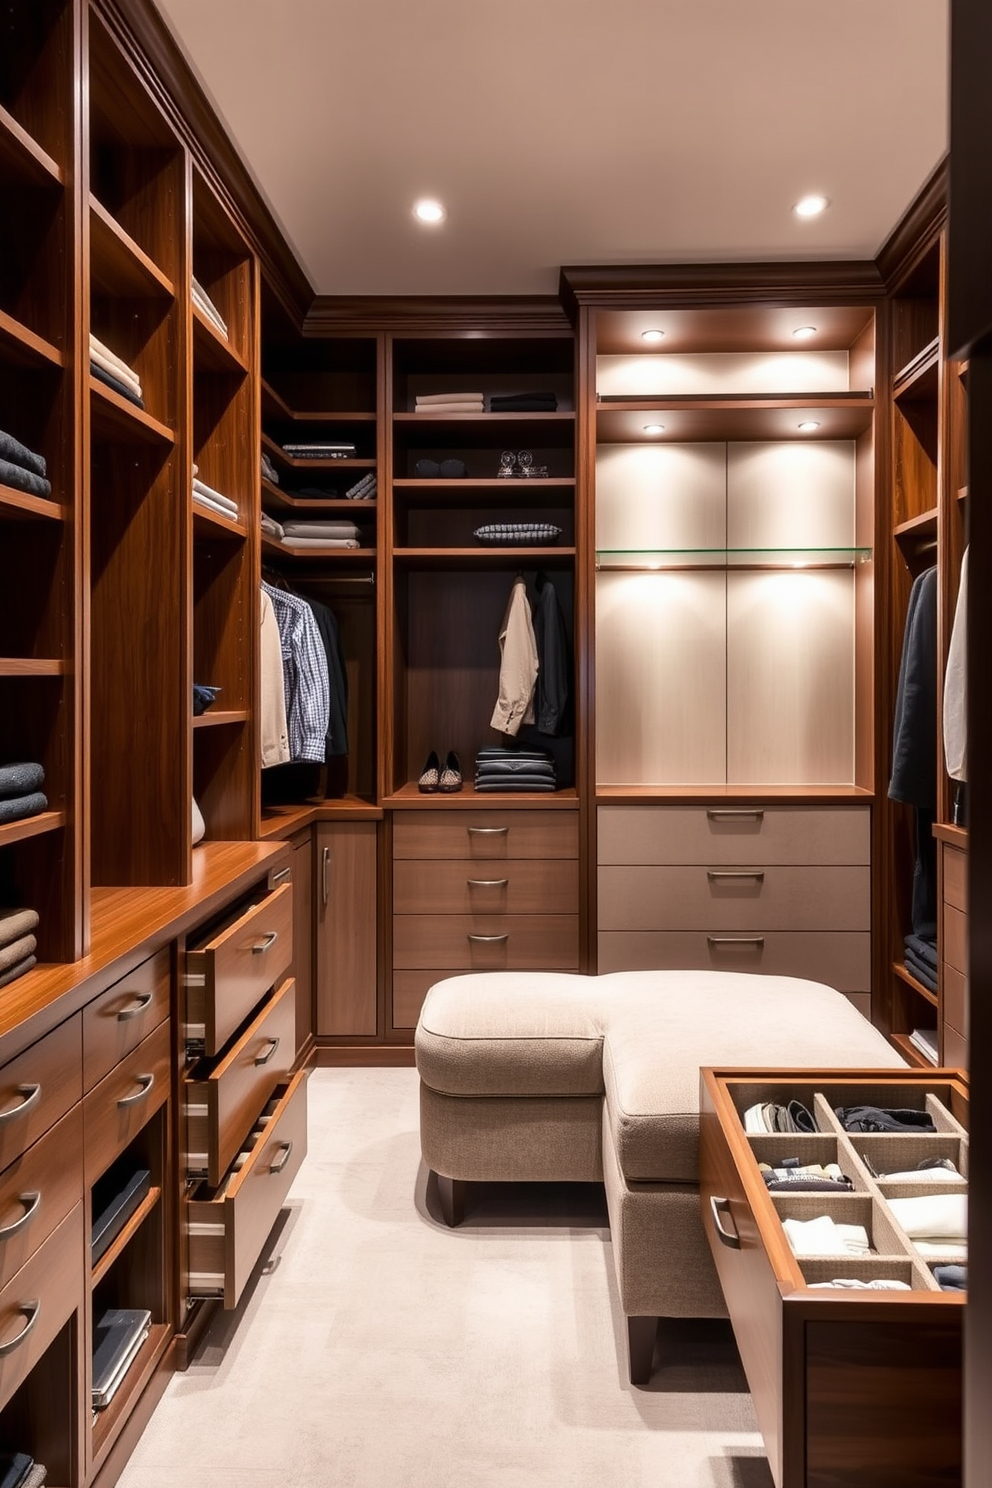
(718, 835)
(116, 1022)
(38, 1190)
(955, 864)
(227, 1234)
(521, 886)
(514, 943)
(954, 942)
(409, 990)
(842, 959)
(738, 898)
(120, 1105)
(47, 1288)
(38, 1088)
(954, 987)
(486, 834)
(228, 976)
(222, 1107)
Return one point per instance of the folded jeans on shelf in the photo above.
(18, 971)
(17, 922)
(20, 479)
(16, 453)
(19, 808)
(21, 778)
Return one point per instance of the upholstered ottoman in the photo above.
(541, 1077)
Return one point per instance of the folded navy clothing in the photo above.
(116, 384)
(18, 808)
(314, 493)
(540, 402)
(514, 767)
(23, 480)
(951, 1278)
(879, 1119)
(14, 1468)
(516, 783)
(20, 779)
(18, 454)
(500, 752)
(921, 971)
(923, 950)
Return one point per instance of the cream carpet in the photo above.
(376, 1349)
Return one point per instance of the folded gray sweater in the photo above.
(20, 779)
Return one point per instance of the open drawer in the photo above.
(227, 975)
(223, 1099)
(227, 1227)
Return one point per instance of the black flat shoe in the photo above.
(430, 775)
(451, 775)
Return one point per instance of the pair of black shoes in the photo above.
(435, 777)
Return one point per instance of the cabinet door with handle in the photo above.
(346, 929)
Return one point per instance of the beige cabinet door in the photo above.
(345, 899)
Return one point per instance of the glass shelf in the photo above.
(648, 560)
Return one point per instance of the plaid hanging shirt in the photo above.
(304, 667)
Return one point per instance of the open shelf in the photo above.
(117, 264)
(22, 158)
(208, 523)
(917, 380)
(409, 795)
(485, 556)
(22, 506)
(278, 454)
(109, 1421)
(126, 1235)
(273, 496)
(20, 345)
(275, 406)
(923, 525)
(32, 826)
(663, 559)
(905, 975)
(213, 350)
(220, 718)
(909, 1051)
(347, 555)
(122, 422)
(27, 666)
(693, 419)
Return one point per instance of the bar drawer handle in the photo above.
(488, 831)
(278, 1163)
(142, 1001)
(730, 1238)
(751, 940)
(488, 939)
(280, 876)
(325, 874)
(721, 813)
(264, 1058)
(32, 1095)
(265, 944)
(146, 1082)
(487, 883)
(32, 1203)
(30, 1310)
(715, 873)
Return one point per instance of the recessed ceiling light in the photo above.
(428, 210)
(811, 206)
(807, 426)
(654, 428)
(803, 333)
(652, 335)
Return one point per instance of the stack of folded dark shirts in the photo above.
(540, 402)
(20, 792)
(107, 367)
(17, 943)
(19, 1470)
(498, 769)
(21, 468)
(921, 960)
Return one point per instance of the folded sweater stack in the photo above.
(107, 367)
(17, 943)
(498, 769)
(269, 471)
(20, 792)
(205, 304)
(21, 468)
(299, 533)
(921, 960)
(214, 501)
(449, 403)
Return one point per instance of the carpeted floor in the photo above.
(376, 1349)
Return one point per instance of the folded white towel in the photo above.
(222, 511)
(319, 542)
(880, 1284)
(933, 1216)
(823, 1236)
(206, 304)
(296, 528)
(105, 357)
(200, 488)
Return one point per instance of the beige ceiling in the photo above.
(571, 131)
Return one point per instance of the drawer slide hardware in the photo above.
(142, 1001)
(273, 1044)
(719, 1207)
(146, 1082)
(259, 947)
(32, 1203)
(30, 1310)
(32, 1095)
(280, 1161)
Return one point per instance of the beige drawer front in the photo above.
(228, 976)
(487, 942)
(954, 986)
(521, 886)
(954, 942)
(955, 1054)
(222, 1106)
(717, 835)
(38, 1088)
(409, 990)
(741, 898)
(120, 1105)
(38, 1301)
(38, 1190)
(115, 1022)
(486, 834)
(955, 877)
(227, 1232)
(841, 959)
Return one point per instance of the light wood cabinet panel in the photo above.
(116, 1110)
(955, 865)
(37, 1302)
(718, 836)
(661, 496)
(486, 834)
(487, 942)
(841, 960)
(227, 976)
(346, 929)
(38, 1190)
(788, 494)
(954, 945)
(38, 1088)
(520, 886)
(116, 1022)
(954, 991)
(696, 898)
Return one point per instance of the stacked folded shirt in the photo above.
(314, 493)
(21, 468)
(270, 526)
(448, 403)
(205, 495)
(518, 534)
(937, 1224)
(796, 1177)
(20, 792)
(19, 1470)
(925, 1039)
(321, 450)
(299, 533)
(203, 302)
(921, 960)
(824, 1236)
(768, 1117)
(269, 471)
(540, 402)
(17, 943)
(364, 489)
(107, 367)
(499, 769)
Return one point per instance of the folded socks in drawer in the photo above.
(19, 808)
(20, 779)
(878, 1119)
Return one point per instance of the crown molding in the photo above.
(917, 229)
(450, 314)
(655, 286)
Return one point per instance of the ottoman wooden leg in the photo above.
(641, 1334)
(451, 1192)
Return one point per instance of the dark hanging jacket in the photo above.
(554, 659)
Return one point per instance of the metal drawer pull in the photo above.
(264, 1058)
(488, 939)
(280, 876)
(488, 831)
(487, 883)
(277, 1165)
(758, 873)
(729, 1238)
(32, 1202)
(718, 813)
(32, 1095)
(146, 1082)
(265, 944)
(30, 1310)
(752, 940)
(142, 1001)
(325, 874)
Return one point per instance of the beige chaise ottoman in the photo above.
(540, 1077)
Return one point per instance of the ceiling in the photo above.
(571, 131)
